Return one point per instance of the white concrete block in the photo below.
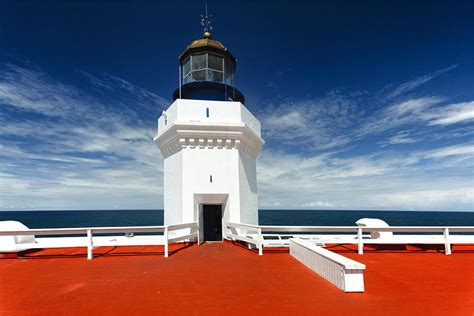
(344, 273)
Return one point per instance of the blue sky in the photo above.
(363, 105)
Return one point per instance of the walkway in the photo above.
(224, 279)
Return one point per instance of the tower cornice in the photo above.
(200, 135)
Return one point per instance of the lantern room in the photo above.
(207, 72)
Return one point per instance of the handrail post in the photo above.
(447, 245)
(90, 246)
(260, 241)
(198, 235)
(166, 241)
(360, 244)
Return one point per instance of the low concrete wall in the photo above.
(343, 272)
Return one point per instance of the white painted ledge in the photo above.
(344, 273)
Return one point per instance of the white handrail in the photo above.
(182, 226)
(90, 231)
(239, 225)
(104, 230)
(352, 228)
(82, 230)
(445, 230)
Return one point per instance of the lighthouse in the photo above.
(210, 143)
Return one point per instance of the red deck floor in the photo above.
(225, 279)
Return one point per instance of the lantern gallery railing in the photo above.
(253, 234)
(92, 240)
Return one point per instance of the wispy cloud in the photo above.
(366, 181)
(64, 147)
(89, 145)
(466, 151)
(316, 123)
(415, 83)
(397, 115)
(318, 204)
(333, 157)
(453, 113)
(402, 137)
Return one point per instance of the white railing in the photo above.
(90, 231)
(259, 242)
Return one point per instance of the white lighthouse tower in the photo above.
(210, 143)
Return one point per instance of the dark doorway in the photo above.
(212, 222)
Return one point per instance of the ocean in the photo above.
(95, 218)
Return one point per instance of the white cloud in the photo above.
(75, 151)
(317, 123)
(397, 115)
(415, 83)
(412, 106)
(285, 121)
(402, 137)
(317, 204)
(454, 113)
(443, 198)
(416, 113)
(369, 181)
(72, 150)
(458, 150)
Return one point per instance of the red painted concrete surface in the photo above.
(227, 279)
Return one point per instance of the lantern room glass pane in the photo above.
(215, 62)
(186, 67)
(229, 68)
(215, 76)
(198, 61)
(187, 79)
(199, 75)
(229, 80)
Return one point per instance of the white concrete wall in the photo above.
(169, 116)
(198, 165)
(219, 112)
(250, 120)
(173, 189)
(248, 189)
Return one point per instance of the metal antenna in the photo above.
(206, 21)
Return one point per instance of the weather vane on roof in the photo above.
(206, 23)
